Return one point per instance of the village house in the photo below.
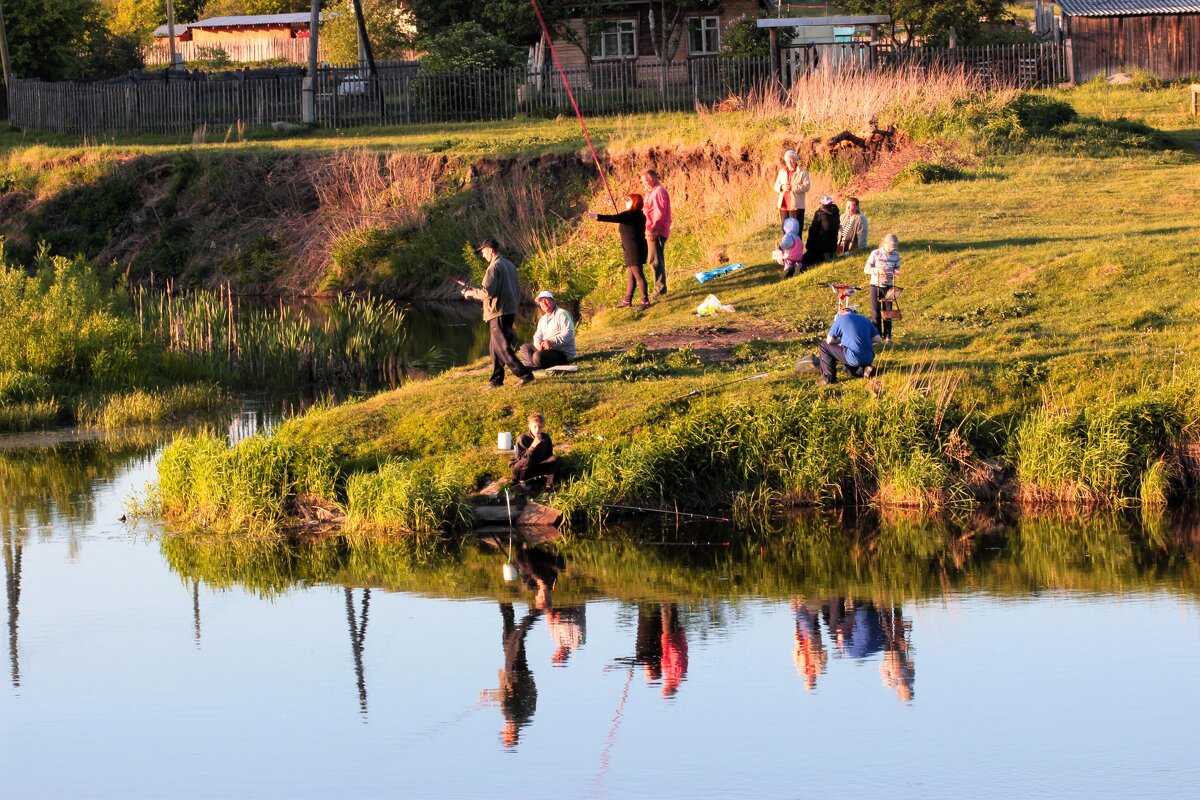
(1107, 36)
(257, 37)
(627, 34)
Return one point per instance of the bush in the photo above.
(468, 46)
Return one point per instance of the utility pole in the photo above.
(308, 91)
(4, 52)
(176, 61)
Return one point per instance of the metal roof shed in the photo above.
(1107, 36)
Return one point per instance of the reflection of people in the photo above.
(501, 300)
(534, 459)
(674, 650)
(554, 340)
(539, 571)
(897, 670)
(517, 692)
(568, 630)
(809, 656)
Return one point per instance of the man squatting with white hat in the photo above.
(554, 341)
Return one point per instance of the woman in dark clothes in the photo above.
(633, 242)
(823, 233)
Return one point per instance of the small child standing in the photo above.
(791, 248)
(883, 265)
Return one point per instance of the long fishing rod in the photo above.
(663, 511)
(694, 392)
(575, 105)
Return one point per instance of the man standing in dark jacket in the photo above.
(632, 222)
(823, 233)
(501, 300)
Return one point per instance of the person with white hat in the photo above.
(554, 340)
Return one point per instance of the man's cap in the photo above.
(489, 242)
(826, 200)
(544, 296)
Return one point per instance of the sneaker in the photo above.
(624, 304)
(528, 379)
(888, 340)
(868, 371)
(823, 381)
(643, 306)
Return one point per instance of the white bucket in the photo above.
(510, 572)
(504, 441)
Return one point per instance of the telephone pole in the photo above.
(175, 58)
(308, 90)
(8, 76)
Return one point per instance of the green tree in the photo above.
(930, 21)
(47, 37)
(389, 24)
(511, 20)
(240, 8)
(468, 45)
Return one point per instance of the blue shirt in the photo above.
(855, 332)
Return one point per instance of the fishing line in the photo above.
(571, 94)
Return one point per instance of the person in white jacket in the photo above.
(883, 265)
(791, 187)
(554, 340)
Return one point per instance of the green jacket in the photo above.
(503, 292)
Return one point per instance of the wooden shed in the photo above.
(1108, 36)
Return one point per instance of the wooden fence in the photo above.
(401, 94)
(242, 51)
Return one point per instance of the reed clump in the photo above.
(422, 496)
(150, 407)
(249, 486)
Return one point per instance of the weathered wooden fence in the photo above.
(242, 51)
(402, 94)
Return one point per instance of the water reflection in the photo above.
(857, 630)
(12, 585)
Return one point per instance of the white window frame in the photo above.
(618, 29)
(707, 26)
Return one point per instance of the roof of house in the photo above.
(1127, 8)
(252, 20)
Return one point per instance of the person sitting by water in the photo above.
(853, 233)
(850, 342)
(632, 227)
(883, 265)
(791, 249)
(534, 460)
(554, 340)
(823, 233)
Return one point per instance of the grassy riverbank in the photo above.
(1048, 351)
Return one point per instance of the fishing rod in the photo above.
(571, 94)
(693, 392)
(663, 511)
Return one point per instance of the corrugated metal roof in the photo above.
(253, 19)
(1127, 8)
(243, 21)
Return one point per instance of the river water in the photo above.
(814, 656)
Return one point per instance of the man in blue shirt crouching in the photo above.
(850, 341)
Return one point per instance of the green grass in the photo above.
(1048, 286)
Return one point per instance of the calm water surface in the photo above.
(891, 656)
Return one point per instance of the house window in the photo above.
(612, 39)
(704, 36)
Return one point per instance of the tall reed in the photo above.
(212, 335)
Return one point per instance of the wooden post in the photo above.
(1195, 99)
(1070, 59)
(175, 63)
(4, 62)
(774, 35)
(308, 103)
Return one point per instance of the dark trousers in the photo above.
(501, 348)
(658, 264)
(796, 214)
(635, 277)
(878, 306)
(543, 471)
(831, 355)
(541, 359)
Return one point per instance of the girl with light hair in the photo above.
(883, 265)
(791, 185)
